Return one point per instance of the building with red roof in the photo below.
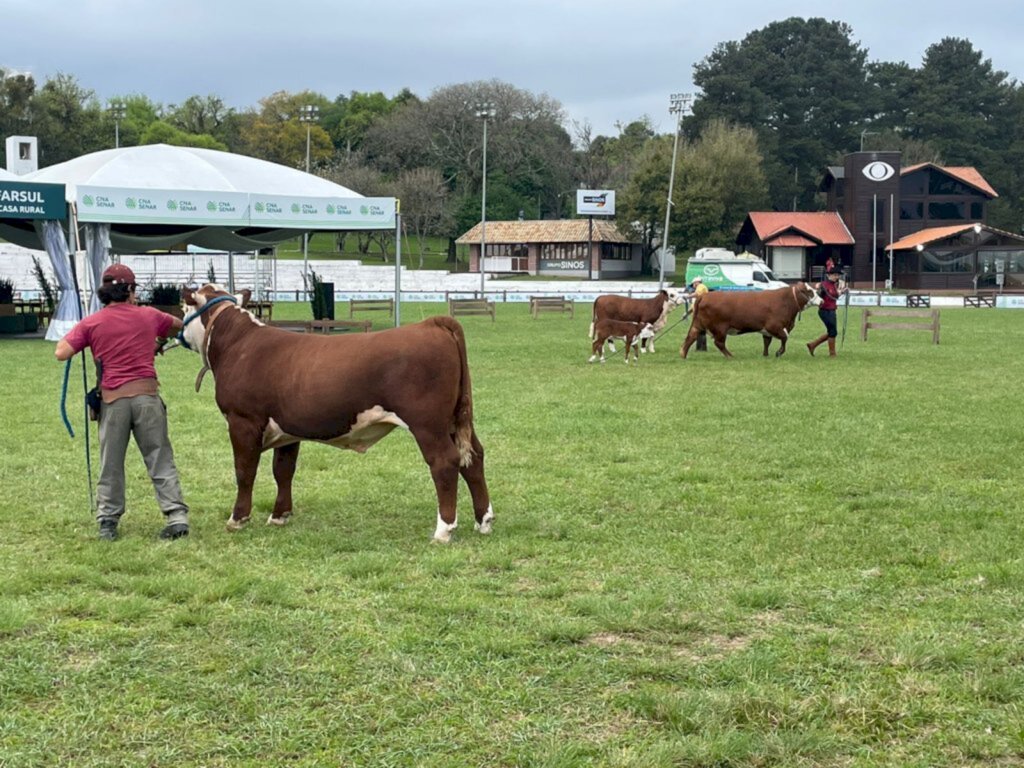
(922, 227)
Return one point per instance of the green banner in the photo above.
(27, 200)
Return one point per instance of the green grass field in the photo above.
(755, 562)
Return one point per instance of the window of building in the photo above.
(616, 251)
(947, 261)
(947, 211)
(913, 184)
(24, 150)
(911, 211)
(978, 211)
(941, 184)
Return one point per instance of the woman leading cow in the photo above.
(830, 290)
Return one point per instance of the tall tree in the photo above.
(801, 84)
(68, 120)
(277, 134)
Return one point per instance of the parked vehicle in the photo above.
(723, 270)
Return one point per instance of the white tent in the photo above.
(158, 196)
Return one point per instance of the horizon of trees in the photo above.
(773, 111)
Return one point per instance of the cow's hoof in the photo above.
(443, 531)
(236, 525)
(485, 525)
(283, 520)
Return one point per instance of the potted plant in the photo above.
(167, 298)
(6, 297)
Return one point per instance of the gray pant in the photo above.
(144, 416)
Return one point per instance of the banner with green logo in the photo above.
(290, 212)
(118, 205)
(232, 209)
(28, 200)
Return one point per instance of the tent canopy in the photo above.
(158, 196)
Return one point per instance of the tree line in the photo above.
(773, 110)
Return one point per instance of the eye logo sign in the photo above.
(879, 171)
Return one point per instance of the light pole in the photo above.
(117, 111)
(485, 112)
(864, 133)
(678, 103)
(308, 114)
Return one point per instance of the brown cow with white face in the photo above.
(277, 388)
(770, 313)
(654, 310)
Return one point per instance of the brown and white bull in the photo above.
(770, 313)
(654, 310)
(631, 333)
(277, 388)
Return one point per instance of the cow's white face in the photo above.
(194, 301)
(675, 297)
(815, 299)
(647, 332)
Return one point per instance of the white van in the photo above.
(723, 270)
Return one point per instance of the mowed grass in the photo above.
(755, 562)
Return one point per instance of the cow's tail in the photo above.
(463, 416)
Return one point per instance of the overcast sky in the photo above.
(606, 62)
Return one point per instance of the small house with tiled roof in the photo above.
(794, 243)
(590, 248)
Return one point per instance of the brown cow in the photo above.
(277, 388)
(654, 310)
(770, 313)
(632, 333)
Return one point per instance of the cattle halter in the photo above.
(198, 313)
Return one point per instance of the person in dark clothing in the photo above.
(830, 291)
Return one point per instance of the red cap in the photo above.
(118, 273)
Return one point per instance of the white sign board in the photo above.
(595, 202)
(1010, 302)
(315, 212)
(119, 205)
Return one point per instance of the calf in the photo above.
(633, 333)
(770, 313)
(653, 310)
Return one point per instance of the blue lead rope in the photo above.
(64, 397)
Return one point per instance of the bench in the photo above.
(264, 310)
(980, 300)
(302, 326)
(919, 300)
(932, 316)
(339, 326)
(471, 307)
(558, 304)
(371, 305)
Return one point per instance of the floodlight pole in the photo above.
(484, 111)
(308, 115)
(678, 103)
(118, 110)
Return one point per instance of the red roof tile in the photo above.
(791, 240)
(969, 175)
(826, 227)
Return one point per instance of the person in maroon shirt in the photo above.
(830, 292)
(122, 337)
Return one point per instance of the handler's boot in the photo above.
(831, 347)
(813, 345)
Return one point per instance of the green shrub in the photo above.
(165, 295)
(6, 290)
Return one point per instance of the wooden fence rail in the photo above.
(932, 324)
